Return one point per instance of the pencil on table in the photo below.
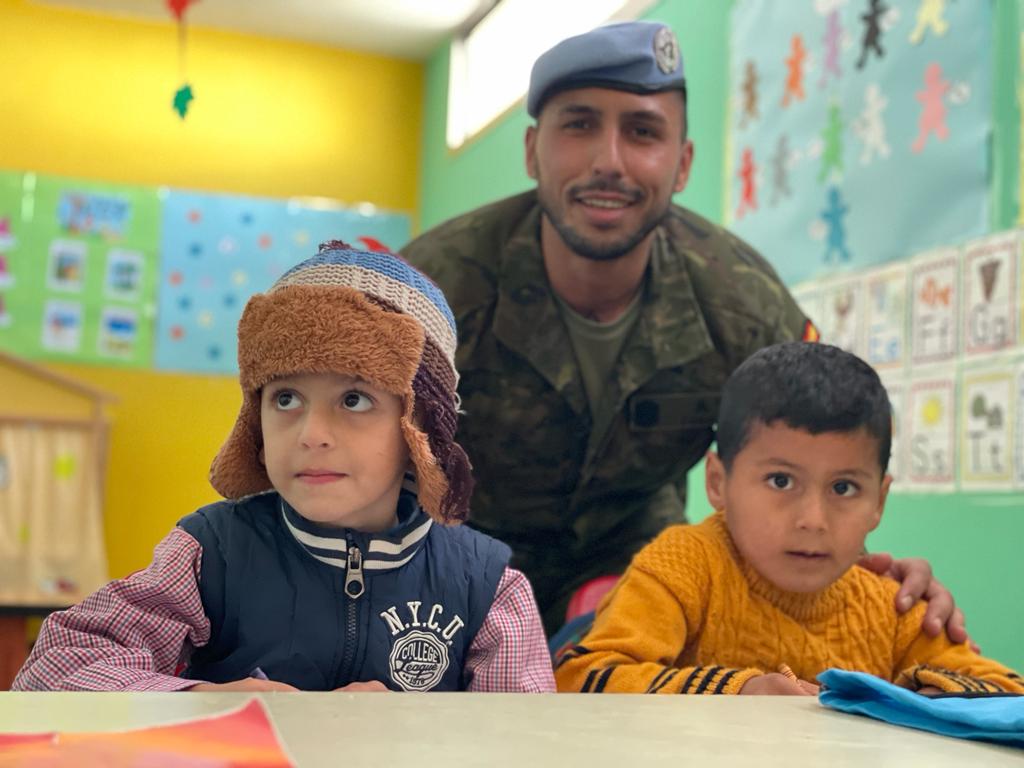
(784, 669)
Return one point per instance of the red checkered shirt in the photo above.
(135, 633)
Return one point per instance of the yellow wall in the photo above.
(89, 95)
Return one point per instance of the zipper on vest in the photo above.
(354, 586)
(354, 589)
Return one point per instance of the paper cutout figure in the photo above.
(750, 80)
(831, 41)
(869, 126)
(930, 14)
(872, 19)
(987, 430)
(795, 76)
(933, 110)
(833, 216)
(780, 170)
(748, 191)
(832, 135)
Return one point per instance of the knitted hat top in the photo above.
(365, 314)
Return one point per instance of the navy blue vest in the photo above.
(320, 607)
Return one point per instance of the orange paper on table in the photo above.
(244, 738)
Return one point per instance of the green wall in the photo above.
(973, 541)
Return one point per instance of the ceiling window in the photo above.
(489, 68)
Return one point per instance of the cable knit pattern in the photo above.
(690, 616)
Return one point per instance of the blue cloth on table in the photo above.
(991, 717)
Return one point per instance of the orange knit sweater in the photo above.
(689, 616)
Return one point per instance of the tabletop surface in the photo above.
(463, 729)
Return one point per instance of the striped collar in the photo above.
(381, 551)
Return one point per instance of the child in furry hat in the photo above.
(333, 563)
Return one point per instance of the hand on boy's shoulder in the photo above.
(916, 583)
(777, 684)
(249, 684)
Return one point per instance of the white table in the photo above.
(452, 730)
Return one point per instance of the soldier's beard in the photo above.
(592, 249)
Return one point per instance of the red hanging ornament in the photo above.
(177, 7)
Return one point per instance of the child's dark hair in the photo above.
(810, 386)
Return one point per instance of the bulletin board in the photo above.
(217, 250)
(77, 269)
(858, 131)
(138, 276)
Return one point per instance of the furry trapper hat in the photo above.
(364, 314)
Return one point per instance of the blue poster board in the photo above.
(218, 250)
(858, 129)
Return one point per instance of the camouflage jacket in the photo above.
(576, 493)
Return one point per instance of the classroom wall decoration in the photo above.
(77, 269)
(986, 430)
(139, 276)
(944, 330)
(217, 250)
(858, 129)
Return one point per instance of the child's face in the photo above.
(799, 506)
(333, 448)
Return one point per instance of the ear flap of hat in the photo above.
(237, 470)
(431, 483)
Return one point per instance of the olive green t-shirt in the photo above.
(597, 345)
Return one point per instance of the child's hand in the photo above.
(776, 684)
(929, 690)
(249, 684)
(371, 686)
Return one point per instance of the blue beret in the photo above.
(637, 56)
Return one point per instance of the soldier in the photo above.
(598, 321)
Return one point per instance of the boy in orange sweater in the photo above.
(799, 480)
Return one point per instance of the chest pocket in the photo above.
(672, 412)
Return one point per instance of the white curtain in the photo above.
(51, 527)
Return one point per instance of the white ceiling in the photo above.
(409, 29)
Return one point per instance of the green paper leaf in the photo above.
(182, 97)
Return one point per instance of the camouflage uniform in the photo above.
(576, 493)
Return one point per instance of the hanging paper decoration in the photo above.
(183, 96)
